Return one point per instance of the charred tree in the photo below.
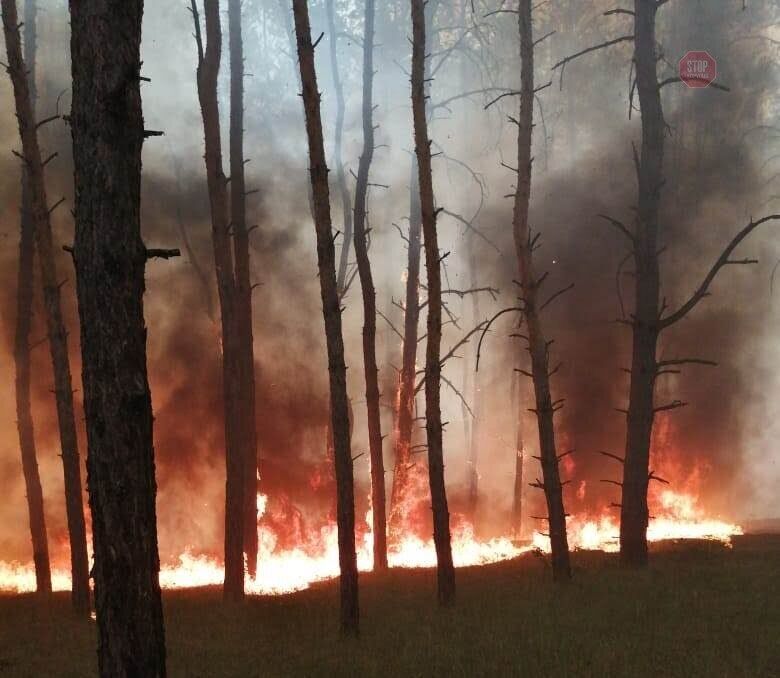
(17, 66)
(35, 194)
(207, 75)
(537, 343)
(517, 493)
(369, 298)
(433, 424)
(110, 259)
(331, 309)
(243, 287)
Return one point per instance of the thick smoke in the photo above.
(716, 172)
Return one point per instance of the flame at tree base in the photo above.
(284, 571)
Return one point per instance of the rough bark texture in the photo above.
(433, 425)
(110, 259)
(243, 287)
(326, 259)
(537, 343)
(517, 493)
(208, 73)
(341, 178)
(25, 89)
(639, 427)
(369, 300)
(35, 203)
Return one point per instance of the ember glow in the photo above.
(287, 570)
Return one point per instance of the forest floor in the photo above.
(699, 610)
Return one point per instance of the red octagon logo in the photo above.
(698, 69)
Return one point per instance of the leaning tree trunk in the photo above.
(24, 292)
(243, 287)
(110, 259)
(433, 424)
(639, 427)
(55, 325)
(331, 310)
(537, 343)
(208, 73)
(369, 300)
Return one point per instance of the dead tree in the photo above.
(517, 493)
(57, 334)
(369, 298)
(207, 75)
(243, 287)
(331, 309)
(110, 260)
(433, 423)
(650, 315)
(17, 66)
(538, 346)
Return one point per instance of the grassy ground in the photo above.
(698, 611)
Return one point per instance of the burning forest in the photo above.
(298, 291)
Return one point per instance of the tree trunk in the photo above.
(517, 494)
(433, 425)
(24, 292)
(476, 429)
(538, 346)
(110, 259)
(57, 335)
(326, 259)
(639, 427)
(243, 287)
(404, 425)
(369, 300)
(341, 179)
(208, 73)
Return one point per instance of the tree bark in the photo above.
(243, 287)
(369, 300)
(433, 424)
(537, 342)
(110, 259)
(639, 426)
(517, 494)
(326, 259)
(208, 73)
(23, 89)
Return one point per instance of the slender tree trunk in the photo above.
(326, 258)
(110, 258)
(639, 427)
(474, 440)
(538, 346)
(433, 425)
(404, 426)
(243, 287)
(24, 88)
(517, 494)
(57, 334)
(341, 179)
(369, 299)
(208, 73)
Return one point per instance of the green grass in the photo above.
(697, 611)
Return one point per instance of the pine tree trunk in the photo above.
(24, 298)
(110, 259)
(326, 259)
(639, 427)
(474, 439)
(243, 287)
(537, 342)
(433, 425)
(404, 426)
(369, 300)
(517, 494)
(208, 73)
